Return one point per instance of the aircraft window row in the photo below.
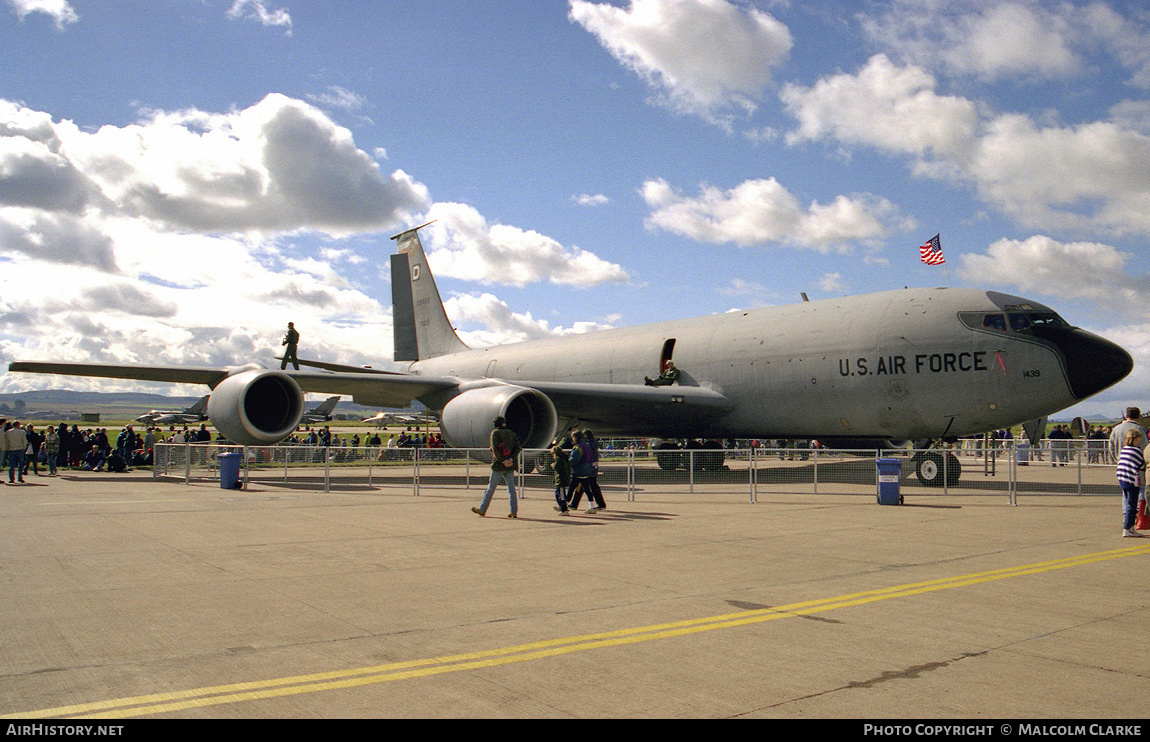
(1011, 321)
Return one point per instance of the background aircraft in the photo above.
(194, 414)
(321, 413)
(872, 370)
(384, 419)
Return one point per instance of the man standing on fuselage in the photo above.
(291, 345)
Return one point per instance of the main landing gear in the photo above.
(707, 456)
(933, 467)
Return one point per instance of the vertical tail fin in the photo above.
(421, 327)
(327, 406)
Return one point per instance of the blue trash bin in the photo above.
(889, 474)
(230, 470)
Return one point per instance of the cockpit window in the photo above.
(1019, 321)
(1046, 319)
(1016, 321)
(994, 322)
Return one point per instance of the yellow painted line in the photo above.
(262, 689)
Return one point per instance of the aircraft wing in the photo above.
(367, 387)
(667, 411)
(674, 410)
(174, 374)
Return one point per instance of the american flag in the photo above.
(932, 252)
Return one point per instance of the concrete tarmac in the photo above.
(129, 597)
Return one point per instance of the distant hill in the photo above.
(67, 404)
(67, 397)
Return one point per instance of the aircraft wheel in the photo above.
(928, 469)
(712, 461)
(667, 456)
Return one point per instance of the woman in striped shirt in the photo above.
(1131, 465)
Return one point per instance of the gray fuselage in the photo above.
(894, 365)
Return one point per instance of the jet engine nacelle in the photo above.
(466, 421)
(257, 407)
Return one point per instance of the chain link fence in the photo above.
(1058, 467)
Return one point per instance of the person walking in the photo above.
(582, 470)
(32, 451)
(1118, 435)
(1131, 465)
(52, 449)
(505, 449)
(562, 469)
(1129, 424)
(593, 492)
(16, 441)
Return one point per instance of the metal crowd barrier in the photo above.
(1063, 468)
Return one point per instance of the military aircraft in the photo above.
(194, 414)
(321, 413)
(383, 419)
(875, 370)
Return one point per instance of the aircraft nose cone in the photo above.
(1092, 363)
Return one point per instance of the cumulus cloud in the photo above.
(1011, 39)
(31, 174)
(586, 199)
(174, 239)
(258, 10)
(127, 298)
(61, 11)
(1132, 390)
(67, 313)
(763, 211)
(1092, 175)
(501, 325)
(1084, 176)
(683, 49)
(988, 40)
(752, 294)
(35, 172)
(742, 287)
(279, 165)
(56, 238)
(891, 108)
(832, 282)
(462, 244)
(189, 237)
(1086, 270)
(338, 97)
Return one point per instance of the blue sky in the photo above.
(179, 179)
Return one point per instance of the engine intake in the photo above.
(466, 419)
(256, 407)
